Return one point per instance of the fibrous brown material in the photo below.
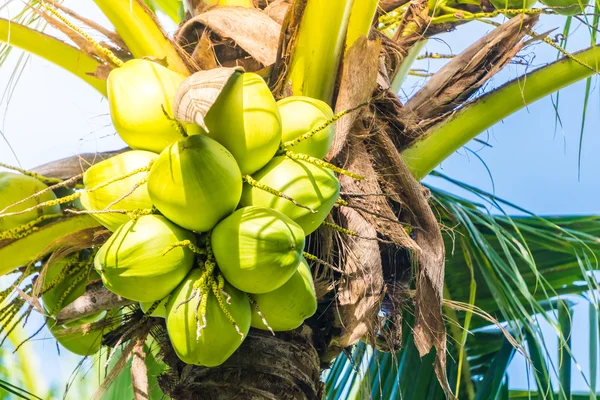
(357, 84)
(230, 36)
(287, 40)
(281, 367)
(277, 9)
(460, 78)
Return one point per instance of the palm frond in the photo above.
(516, 268)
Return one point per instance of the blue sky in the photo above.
(51, 115)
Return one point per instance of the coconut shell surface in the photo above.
(257, 249)
(219, 338)
(300, 115)
(74, 282)
(15, 187)
(287, 307)
(133, 262)
(108, 169)
(311, 186)
(139, 94)
(245, 119)
(195, 183)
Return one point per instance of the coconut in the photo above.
(257, 249)
(312, 186)
(16, 187)
(245, 119)
(79, 342)
(134, 262)
(566, 7)
(513, 4)
(195, 183)
(159, 312)
(219, 338)
(106, 170)
(300, 115)
(287, 307)
(139, 94)
(74, 280)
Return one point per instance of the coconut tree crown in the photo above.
(268, 205)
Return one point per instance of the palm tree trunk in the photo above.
(281, 367)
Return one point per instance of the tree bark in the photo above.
(265, 367)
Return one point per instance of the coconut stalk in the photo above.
(54, 50)
(318, 48)
(138, 27)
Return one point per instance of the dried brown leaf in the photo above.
(276, 10)
(464, 75)
(229, 28)
(357, 83)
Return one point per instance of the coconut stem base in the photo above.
(285, 366)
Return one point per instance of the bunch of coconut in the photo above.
(31, 204)
(210, 210)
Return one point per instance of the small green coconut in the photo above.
(566, 7)
(159, 312)
(245, 119)
(134, 261)
(287, 307)
(300, 115)
(195, 183)
(138, 92)
(66, 280)
(513, 4)
(219, 338)
(83, 342)
(15, 187)
(106, 170)
(312, 186)
(257, 249)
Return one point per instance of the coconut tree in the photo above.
(375, 246)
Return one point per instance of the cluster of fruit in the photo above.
(208, 223)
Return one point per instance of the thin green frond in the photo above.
(53, 50)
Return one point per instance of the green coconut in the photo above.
(138, 92)
(287, 307)
(106, 170)
(134, 264)
(160, 311)
(80, 342)
(219, 338)
(312, 186)
(566, 7)
(245, 119)
(15, 187)
(513, 4)
(257, 249)
(195, 183)
(300, 115)
(72, 282)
